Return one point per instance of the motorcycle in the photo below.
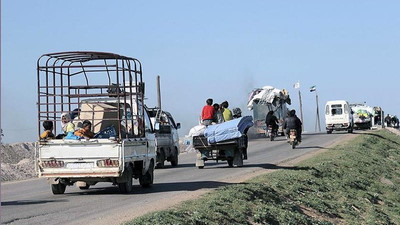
(293, 138)
(270, 133)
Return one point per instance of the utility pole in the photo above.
(317, 122)
(158, 92)
(297, 86)
(317, 119)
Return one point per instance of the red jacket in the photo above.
(207, 113)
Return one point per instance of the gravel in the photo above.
(17, 161)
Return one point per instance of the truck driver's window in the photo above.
(147, 123)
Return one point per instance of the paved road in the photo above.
(31, 202)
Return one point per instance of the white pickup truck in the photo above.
(123, 147)
(166, 137)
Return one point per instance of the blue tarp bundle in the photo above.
(228, 130)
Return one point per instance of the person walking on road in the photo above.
(388, 120)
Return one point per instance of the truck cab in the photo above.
(338, 116)
(166, 136)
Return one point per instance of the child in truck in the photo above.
(66, 124)
(48, 127)
(85, 131)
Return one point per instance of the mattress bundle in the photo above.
(228, 130)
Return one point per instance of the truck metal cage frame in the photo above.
(67, 79)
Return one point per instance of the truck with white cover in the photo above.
(263, 100)
(362, 116)
(338, 116)
(106, 89)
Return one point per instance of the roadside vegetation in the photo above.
(354, 183)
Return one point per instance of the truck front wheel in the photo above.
(174, 160)
(160, 158)
(146, 180)
(58, 189)
(127, 187)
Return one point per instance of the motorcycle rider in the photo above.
(271, 120)
(293, 122)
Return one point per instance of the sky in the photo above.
(209, 49)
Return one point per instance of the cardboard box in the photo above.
(101, 115)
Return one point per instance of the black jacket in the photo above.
(292, 122)
(271, 120)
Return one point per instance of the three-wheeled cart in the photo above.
(234, 151)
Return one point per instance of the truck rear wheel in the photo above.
(58, 189)
(147, 179)
(230, 162)
(127, 187)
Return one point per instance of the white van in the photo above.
(338, 116)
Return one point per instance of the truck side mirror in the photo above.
(178, 126)
(157, 126)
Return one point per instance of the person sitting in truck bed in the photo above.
(85, 131)
(66, 124)
(48, 127)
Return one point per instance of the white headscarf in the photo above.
(68, 117)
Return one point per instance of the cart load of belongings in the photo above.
(228, 130)
(268, 95)
(362, 112)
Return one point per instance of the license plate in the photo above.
(80, 165)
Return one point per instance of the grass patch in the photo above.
(356, 183)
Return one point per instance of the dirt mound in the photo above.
(17, 161)
(393, 130)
